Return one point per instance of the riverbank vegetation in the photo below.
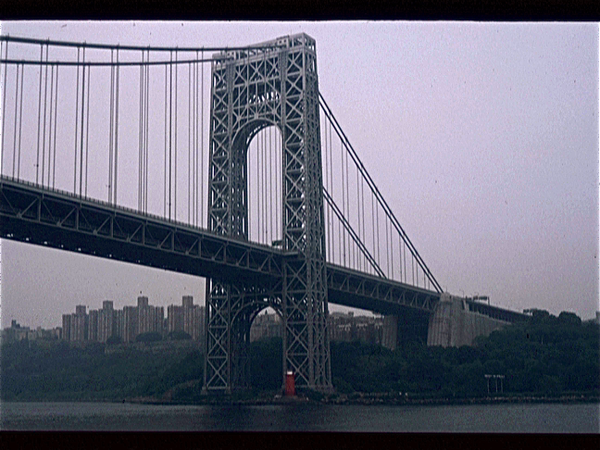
(547, 357)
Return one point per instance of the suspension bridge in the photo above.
(224, 163)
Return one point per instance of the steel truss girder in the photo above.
(496, 313)
(370, 292)
(250, 91)
(56, 219)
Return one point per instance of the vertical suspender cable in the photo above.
(4, 97)
(348, 215)
(55, 122)
(258, 190)
(194, 143)
(50, 126)
(140, 134)
(20, 120)
(201, 172)
(387, 249)
(82, 119)
(391, 253)
(358, 207)
(76, 126)
(170, 128)
(378, 246)
(331, 225)
(326, 182)
(45, 69)
(37, 164)
(165, 151)
(175, 144)
(259, 185)
(373, 225)
(189, 164)
(264, 186)
(271, 175)
(146, 134)
(116, 147)
(198, 161)
(111, 126)
(87, 128)
(14, 159)
(344, 213)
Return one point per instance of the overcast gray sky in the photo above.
(483, 138)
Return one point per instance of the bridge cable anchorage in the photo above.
(377, 193)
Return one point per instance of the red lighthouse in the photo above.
(290, 384)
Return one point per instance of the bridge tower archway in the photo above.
(274, 83)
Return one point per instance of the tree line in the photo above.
(544, 355)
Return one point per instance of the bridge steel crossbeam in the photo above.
(56, 219)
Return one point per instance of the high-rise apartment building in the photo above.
(79, 324)
(131, 321)
(93, 326)
(187, 317)
(106, 321)
(66, 327)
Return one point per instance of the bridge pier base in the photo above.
(453, 324)
(390, 332)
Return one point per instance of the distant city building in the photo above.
(344, 327)
(188, 318)
(93, 326)
(266, 326)
(129, 330)
(106, 321)
(348, 328)
(131, 321)
(79, 324)
(18, 333)
(66, 326)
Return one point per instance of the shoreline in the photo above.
(340, 400)
(378, 399)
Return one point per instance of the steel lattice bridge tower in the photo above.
(252, 90)
(303, 227)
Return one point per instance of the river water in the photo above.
(498, 418)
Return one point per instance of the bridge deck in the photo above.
(43, 216)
